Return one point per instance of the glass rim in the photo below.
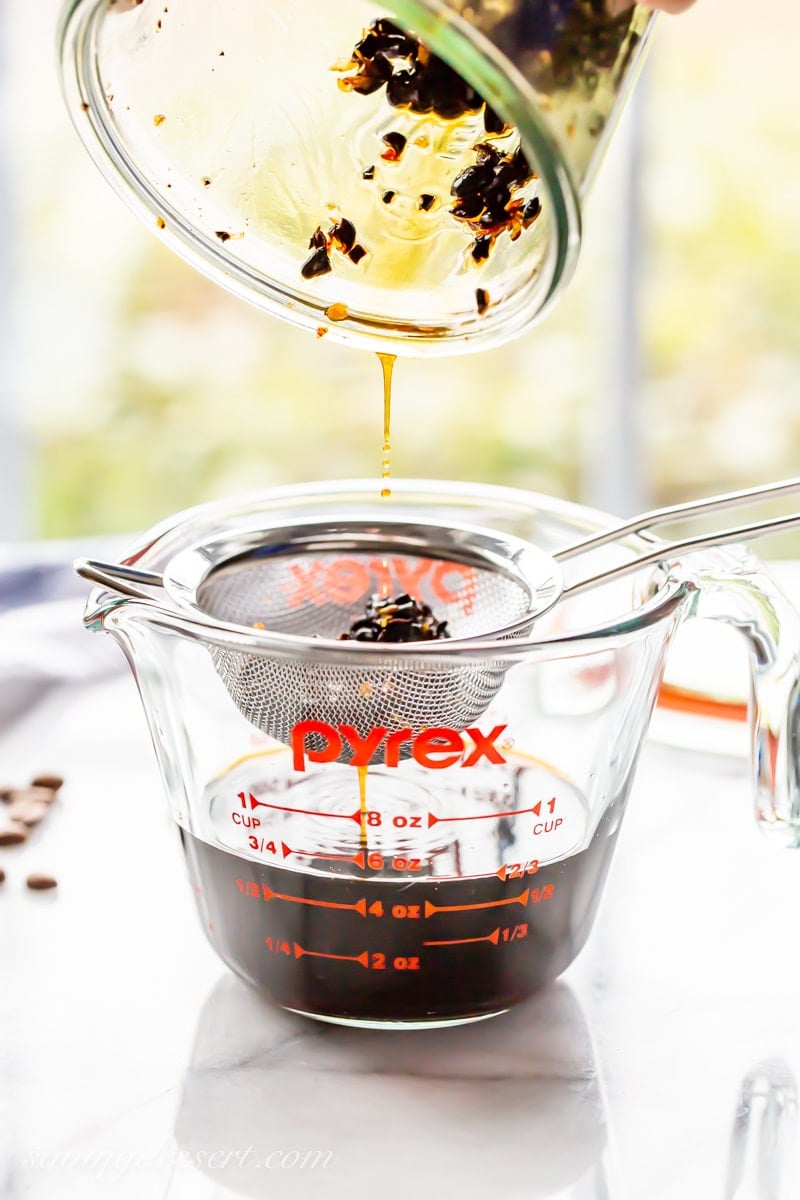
(667, 599)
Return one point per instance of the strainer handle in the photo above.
(679, 512)
(119, 578)
(668, 551)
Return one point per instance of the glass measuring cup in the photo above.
(448, 882)
(246, 133)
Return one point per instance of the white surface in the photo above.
(128, 1054)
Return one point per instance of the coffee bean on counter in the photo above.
(41, 883)
(13, 835)
(28, 812)
(32, 795)
(53, 782)
(5, 792)
(2, 875)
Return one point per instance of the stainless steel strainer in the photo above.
(308, 581)
(303, 583)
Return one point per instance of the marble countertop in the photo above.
(133, 1065)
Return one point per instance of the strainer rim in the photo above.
(521, 562)
(662, 605)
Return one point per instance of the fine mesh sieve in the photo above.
(293, 588)
(310, 580)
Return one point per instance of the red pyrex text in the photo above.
(437, 747)
(350, 581)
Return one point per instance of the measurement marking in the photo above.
(430, 909)
(493, 937)
(358, 859)
(517, 870)
(495, 816)
(306, 812)
(363, 959)
(360, 906)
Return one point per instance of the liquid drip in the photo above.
(387, 366)
(362, 792)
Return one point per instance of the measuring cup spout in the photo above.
(735, 589)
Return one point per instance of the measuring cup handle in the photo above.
(742, 594)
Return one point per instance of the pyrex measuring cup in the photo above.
(328, 169)
(460, 868)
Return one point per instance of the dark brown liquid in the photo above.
(375, 958)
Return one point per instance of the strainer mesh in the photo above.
(320, 594)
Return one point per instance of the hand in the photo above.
(670, 6)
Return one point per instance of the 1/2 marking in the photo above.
(262, 892)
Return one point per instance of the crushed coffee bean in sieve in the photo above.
(401, 619)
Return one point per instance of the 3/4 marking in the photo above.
(357, 859)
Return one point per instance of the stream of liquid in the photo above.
(362, 792)
(387, 362)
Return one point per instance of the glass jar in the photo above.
(415, 186)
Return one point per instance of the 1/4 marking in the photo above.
(373, 962)
(276, 946)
